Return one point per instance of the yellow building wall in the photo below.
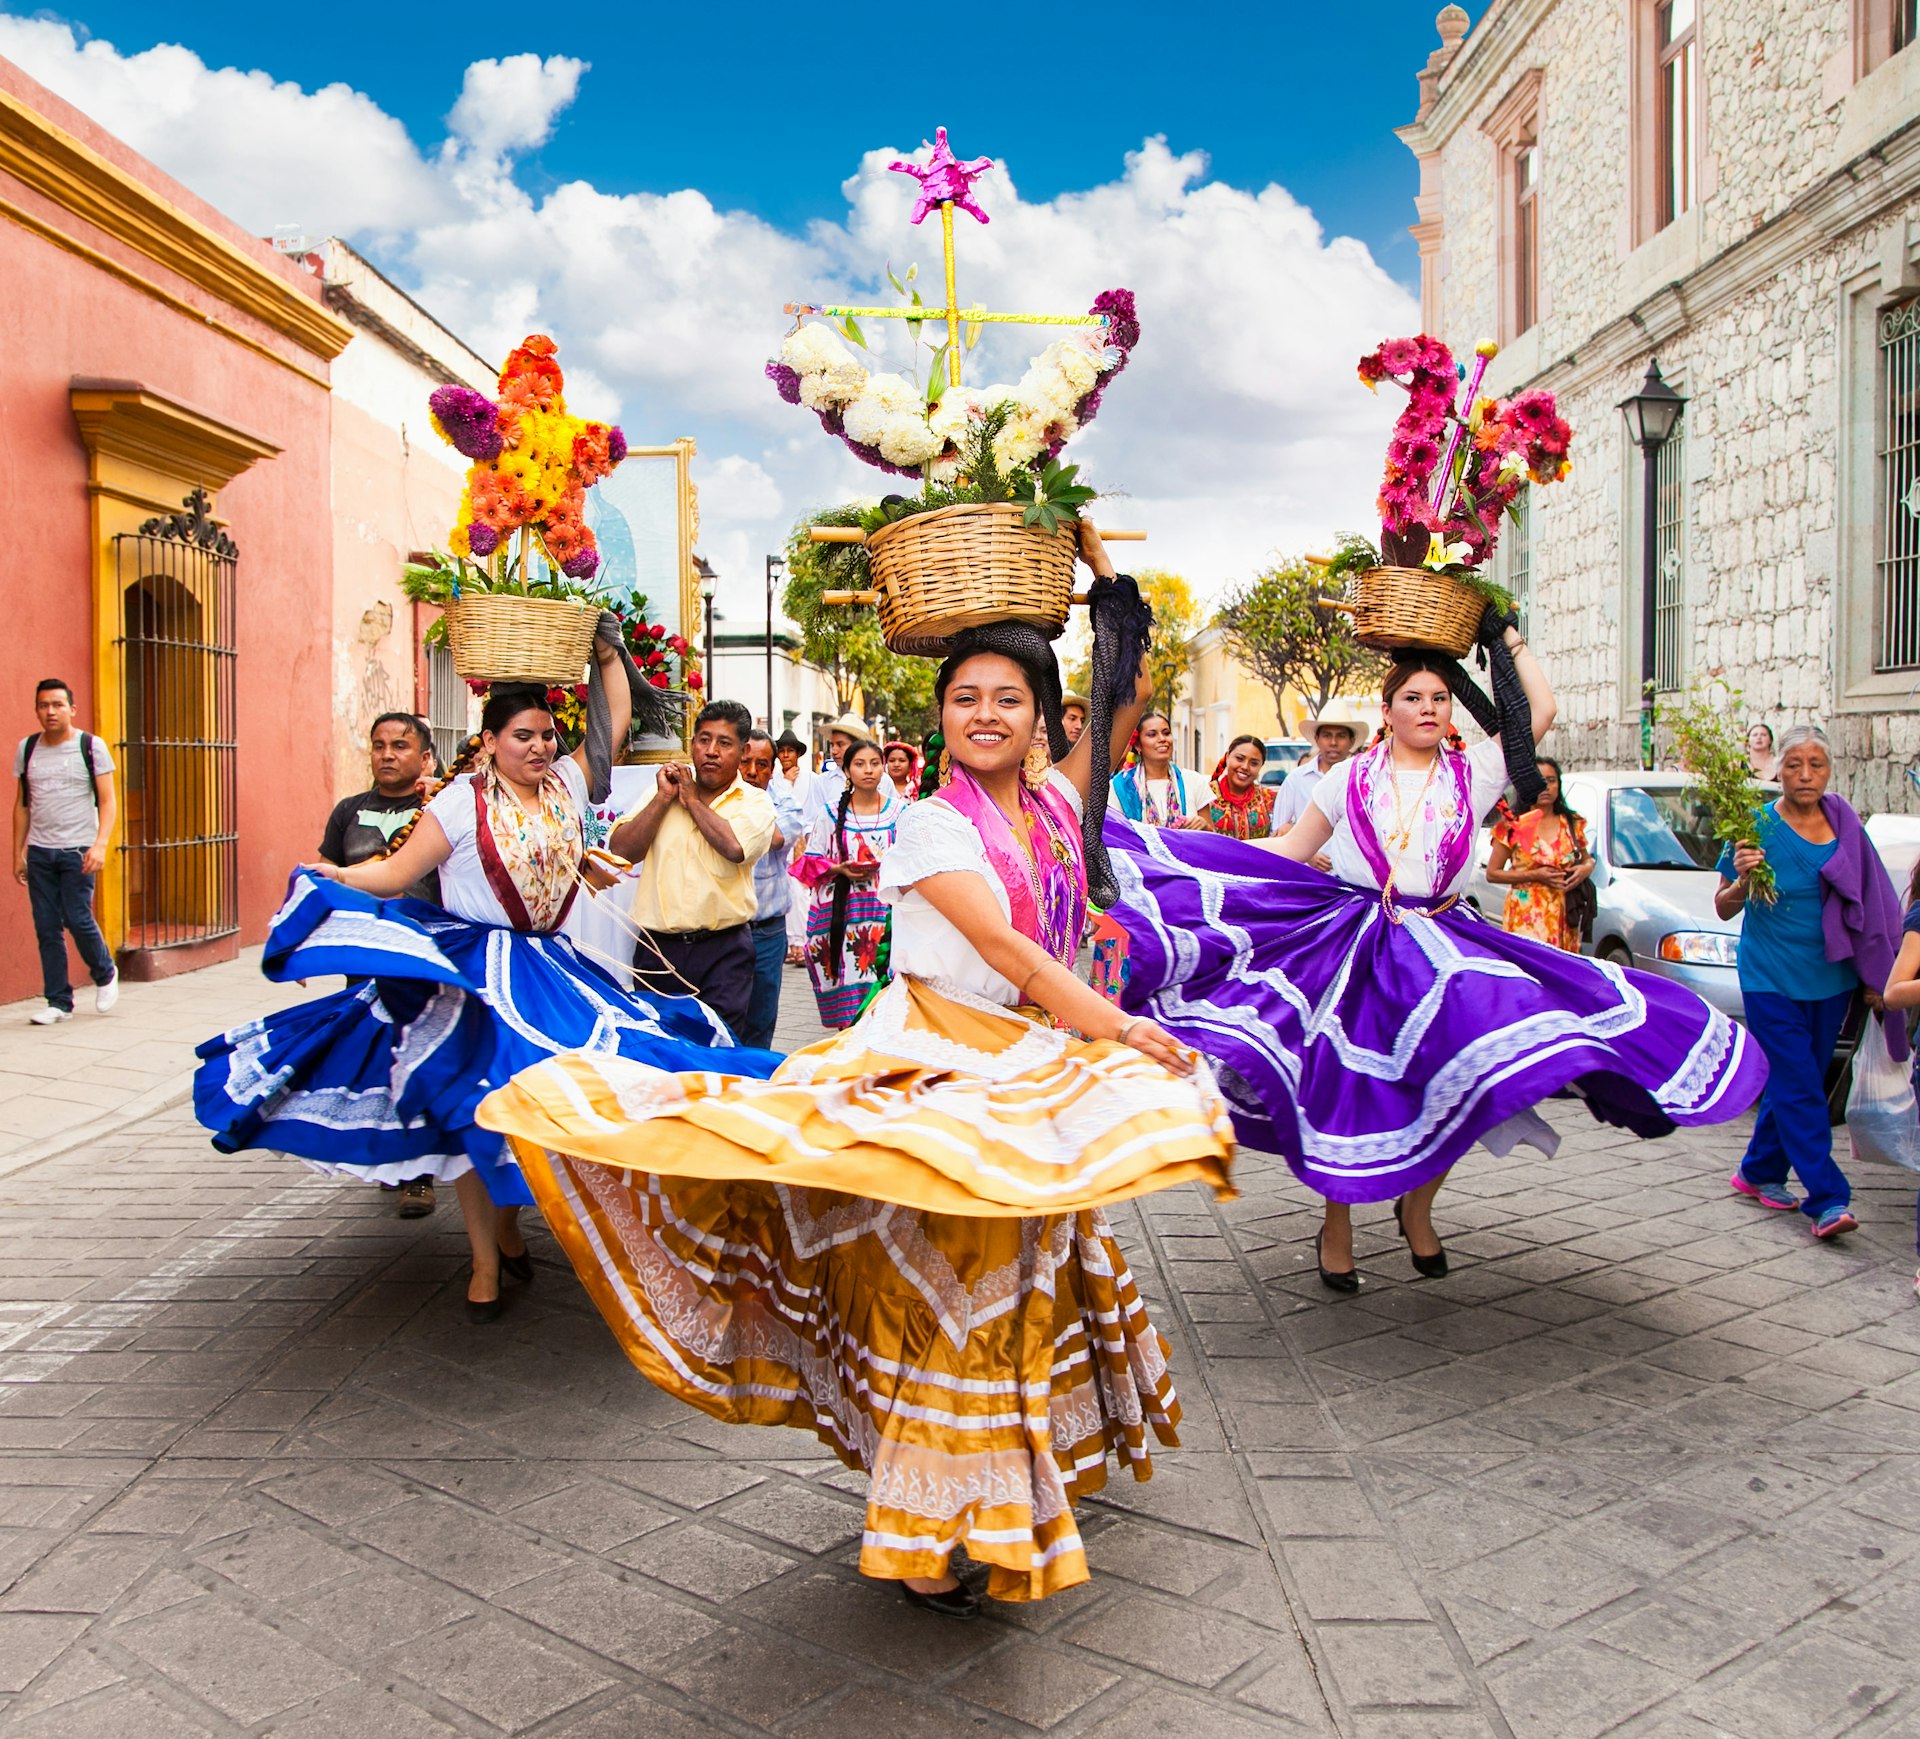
(1222, 700)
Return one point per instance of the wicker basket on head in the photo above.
(496, 637)
(958, 567)
(1397, 609)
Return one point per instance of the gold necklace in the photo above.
(1402, 837)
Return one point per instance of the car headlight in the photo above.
(1701, 948)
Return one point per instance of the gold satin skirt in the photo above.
(898, 1242)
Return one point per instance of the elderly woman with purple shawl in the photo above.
(1367, 1026)
(1828, 932)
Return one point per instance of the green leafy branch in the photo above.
(1712, 749)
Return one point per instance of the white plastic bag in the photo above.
(1883, 1121)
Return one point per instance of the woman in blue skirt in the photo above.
(380, 1080)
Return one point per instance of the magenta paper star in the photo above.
(945, 178)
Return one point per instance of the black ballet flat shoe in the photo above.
(1433, 1267)
(1334, 1279)
(959, 1601)
(519, 1267)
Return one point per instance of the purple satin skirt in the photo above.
(1371, 1049)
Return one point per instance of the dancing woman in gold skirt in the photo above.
(899, 1240)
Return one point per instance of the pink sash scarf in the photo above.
(1056, 919)
(1372, 773)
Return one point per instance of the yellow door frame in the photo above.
(146, 453)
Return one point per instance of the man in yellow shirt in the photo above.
(696, 842)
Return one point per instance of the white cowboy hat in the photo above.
(850, 726)
(1342, 715)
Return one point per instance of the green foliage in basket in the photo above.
(445, 579)
(1354, 555)
(1712, 748)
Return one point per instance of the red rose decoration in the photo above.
(657, 629)
(678, 642)
(694, 682)
(658, 680)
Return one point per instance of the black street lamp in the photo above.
(708, 583)
(1652, 415)
(772, 563)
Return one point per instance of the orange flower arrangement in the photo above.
(532, 462)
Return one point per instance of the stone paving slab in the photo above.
(1647, 1463)
(61, 1084)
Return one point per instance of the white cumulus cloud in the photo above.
(1238, 429)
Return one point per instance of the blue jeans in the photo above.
(1798, 1039)
(61, 894)
(769, 961)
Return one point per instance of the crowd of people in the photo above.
(889, 1235)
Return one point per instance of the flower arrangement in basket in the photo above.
(1453, 468)
(515, 606)
(990, 533)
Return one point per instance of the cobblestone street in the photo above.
(1648, 1462)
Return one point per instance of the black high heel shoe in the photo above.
(519, 1267)
(1434, 1267)
(1334, 1279)
(959, 1601)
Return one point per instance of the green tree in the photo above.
(1280, 631)
(1176, 619)
(844, 640)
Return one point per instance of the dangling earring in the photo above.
(946, 765)
(1037, 763)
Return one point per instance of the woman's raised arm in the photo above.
(425, 850)
(1078, 765)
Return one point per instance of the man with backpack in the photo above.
(63, 819)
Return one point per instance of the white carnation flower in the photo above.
(1072, 362)
(1020, 442)
(958, 406)
(814, 350)
(906, 440)
(839, 385)
(895, 394)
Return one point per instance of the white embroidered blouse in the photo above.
(933, 838)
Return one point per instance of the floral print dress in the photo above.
(1541, 840)
(843, 979)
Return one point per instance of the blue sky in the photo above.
(649, 187)
(767, 107)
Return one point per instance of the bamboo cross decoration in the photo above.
(946, 182)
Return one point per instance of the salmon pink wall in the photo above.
(62, 316)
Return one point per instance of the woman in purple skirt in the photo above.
(1366, 1025)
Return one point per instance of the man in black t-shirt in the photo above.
(363, 826)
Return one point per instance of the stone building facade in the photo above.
(1730, 187)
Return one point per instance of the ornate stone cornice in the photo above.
(79, 180)
(121, 419)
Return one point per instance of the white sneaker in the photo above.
(50, 1016)
(106, 995)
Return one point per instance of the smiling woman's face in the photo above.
(988, 716)
(1156, 744)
